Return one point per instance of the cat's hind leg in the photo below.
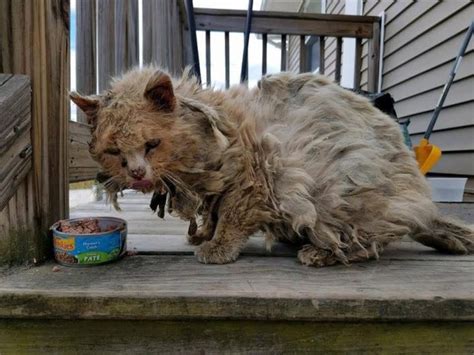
(311, 255)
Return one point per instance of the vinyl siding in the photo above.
(422, 39)
(293, 60)
(334, 7)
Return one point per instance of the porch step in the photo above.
(406, 284)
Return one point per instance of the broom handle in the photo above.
(439, 106)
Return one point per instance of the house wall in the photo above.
(293, 58)
(422, 38)
(334, 7)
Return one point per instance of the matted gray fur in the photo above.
(298, 157)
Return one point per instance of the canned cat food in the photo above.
(89, 241)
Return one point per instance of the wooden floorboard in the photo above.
(164, 281)
(151, 235)
(232, 337)
(271, 288)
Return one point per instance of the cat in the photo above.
(297, 157)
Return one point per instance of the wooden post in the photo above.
(322, 54)
(34, 41)
(302, 54)
(338, 59)
(374, 59)
(208, 58)
(162, 35)
(283, 53)
(126, 35)
(106, 42)
(227, 60)
(86, 56)
(264, 53)
(358, 63)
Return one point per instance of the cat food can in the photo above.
(89, 241)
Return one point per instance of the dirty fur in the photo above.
(298, 157)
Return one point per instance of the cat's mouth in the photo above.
(142, 185)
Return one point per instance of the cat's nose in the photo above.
(138, 173)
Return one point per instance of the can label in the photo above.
(87, 249)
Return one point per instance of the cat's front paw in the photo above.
(198, 237)
(214, 253)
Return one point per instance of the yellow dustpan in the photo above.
(427, 154)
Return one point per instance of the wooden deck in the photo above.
(165, 281)
(257, 305)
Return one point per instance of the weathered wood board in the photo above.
(233, 337)
(164, 281)
(271, 288)
(15, 138)
(81, 166)
(34, 40)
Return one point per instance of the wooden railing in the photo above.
(114, 24)
(107, 40)
(296, 24)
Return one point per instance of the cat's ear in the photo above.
(159, 91)
(88, 104)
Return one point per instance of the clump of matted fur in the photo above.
(298, 157)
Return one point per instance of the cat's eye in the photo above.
(151, 144)
(112, 151)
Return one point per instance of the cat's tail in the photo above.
(447, 235)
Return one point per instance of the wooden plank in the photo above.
(86, 56)
(285, 23)
(227, 60)
(4, 78)
(81, 166)
(106, 42)
(15, 164)
(264, 54)
(126, 34)
(15, 109)
(374, 59)
(41, 49)
(322, 63)
(12, 213)
(4, 226)
(21, 213)
(208, 58)
(357, 65)
(151, 235)
(30, 202)
(145, 244)
(178, 287)
(302, 54)
(163, 17)
(236, 337)
(337, 74)
(283, 53)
